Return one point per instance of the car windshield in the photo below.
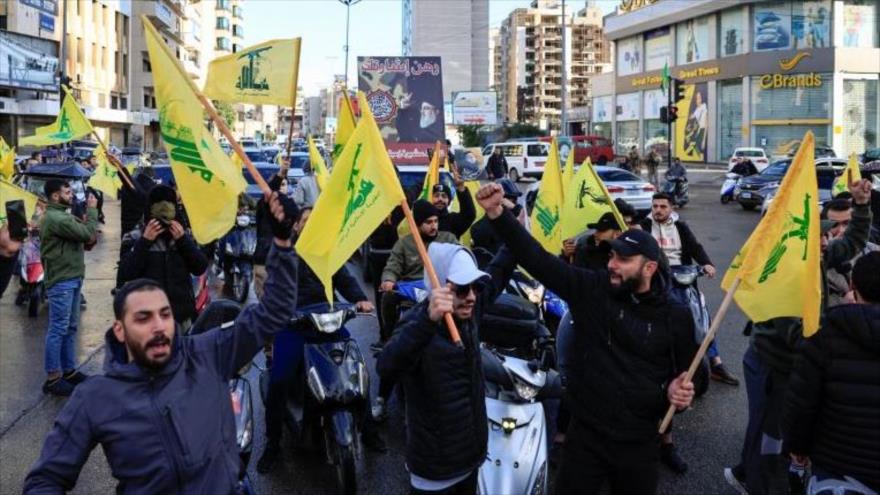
(777, 168)
(413, 181)
(618, 176)
(758, 153)
(256, 156)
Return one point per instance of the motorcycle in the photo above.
(238, 256)
(727, 188)
(684, 289)
(33, 289)
(331, 390)
(677, 187)
(550, 306)
(517, 451)
(218, 314)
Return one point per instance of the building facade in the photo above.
(528, 61)
(455, 30)
(94, 50)
(757, 73)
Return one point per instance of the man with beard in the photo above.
(62, 241)
(456, 223)
(421, 123)
(631, 349)
(161, 412)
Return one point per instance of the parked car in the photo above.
(620, 184)
(247, 143)
(753, 190)
(756, 155)
(597, 148)
(131, 155)
(825, 176)
(870, 155)
(524, 158)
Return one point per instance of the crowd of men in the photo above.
(812, 402)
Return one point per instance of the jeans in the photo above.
(64, 299)
(764, 462)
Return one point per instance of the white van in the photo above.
(524, 158)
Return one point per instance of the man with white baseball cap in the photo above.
(442, 382)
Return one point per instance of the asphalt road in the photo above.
(709, 436)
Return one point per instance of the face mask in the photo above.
(163, 210)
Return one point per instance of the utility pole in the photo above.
(564, 123)
(62, 61)
(348, 4)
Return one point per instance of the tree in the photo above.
(226, 112)
(520, 130)
(470, 135)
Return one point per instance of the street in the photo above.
(709, 437)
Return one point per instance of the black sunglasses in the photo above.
(462, 291)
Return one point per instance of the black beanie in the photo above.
(423, 210)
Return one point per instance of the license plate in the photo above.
(745, 195)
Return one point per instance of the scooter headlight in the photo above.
(242, 220)
(525, 391)
(508, 425)
(328, 322)
(315, 385)
(535, 294)
(421, 294)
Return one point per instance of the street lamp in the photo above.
(348, 4)
(564, 116)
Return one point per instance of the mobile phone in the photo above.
(17, 219)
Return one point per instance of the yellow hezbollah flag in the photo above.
(586, 200)
(7, 160)
(779, 263)
(472, 188)
(69, 125)
(362, 191)
(852, 173)
(264, 74)
(318, 166)
(432, 177)
(11, 192)
(106, 177)
(345, 124)
(546, 216)
(208, 181)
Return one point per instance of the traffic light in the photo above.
(672, 114)
(678, 90)
(664, 116)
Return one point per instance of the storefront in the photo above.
(758, 73)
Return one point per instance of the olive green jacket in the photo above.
(62, 237)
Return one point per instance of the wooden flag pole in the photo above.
(713, 329)
(112, 159)
(293, 104)
(432, 275)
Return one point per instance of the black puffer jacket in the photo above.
(625, 349)
(459, 223)
(446, 421)
(832, 410)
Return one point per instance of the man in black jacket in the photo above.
(457, 223)
(446, 421)
(482, 234)
(496, 168)
(632, 347)
(165, 252)
(593, 251)
(832, 410)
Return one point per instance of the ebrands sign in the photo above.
(631, 5)
(780, 80)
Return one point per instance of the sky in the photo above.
(375, 31)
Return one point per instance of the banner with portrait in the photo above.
(406, 97)
(692, 126)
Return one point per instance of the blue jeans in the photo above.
(64, 299)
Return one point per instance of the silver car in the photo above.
(620, 184)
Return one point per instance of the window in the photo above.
(114, 102)
(238, 31)
(146, 64)
(223, 23)
(515, 150)
(629, 56)
(223, 5)
(860, 115)
(732, 32)
(237, 12)
(224, 44)
(537, 150)
(692, 41)
(859, 24)
(123, 103)
(658, 49)
(782, 25)
(729, 117)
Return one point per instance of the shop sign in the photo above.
(779, 80)
(631, 5)
(655, 80)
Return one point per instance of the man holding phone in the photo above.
(162, 250)
(62, 240)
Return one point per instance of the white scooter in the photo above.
(516, 460)
(728, 188)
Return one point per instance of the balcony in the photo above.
(192, 68)
(162, 15)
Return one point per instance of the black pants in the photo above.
(590, 458)
(390, 313)
(467, 486)
(7, 267)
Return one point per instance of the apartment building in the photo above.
(94, 47)
(528, 60)
(455, 30)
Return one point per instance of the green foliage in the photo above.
(521, 130)
(470, 135)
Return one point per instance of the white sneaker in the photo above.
(736, 483)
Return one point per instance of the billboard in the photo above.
(475, 107)
(692, 131)
(406, 97)
(27, 62)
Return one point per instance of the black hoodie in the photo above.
(832, 410)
